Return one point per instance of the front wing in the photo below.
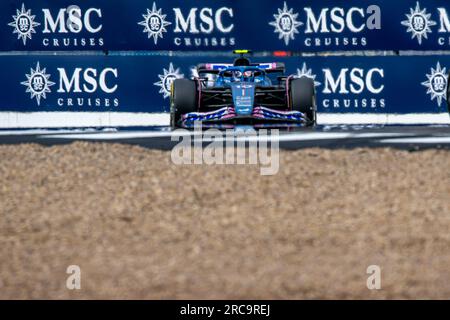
(228, 114)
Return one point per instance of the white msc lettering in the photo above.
(369, 82)
(207, 23)
(90, 84)
(357, 81)
(444, 21)
(74, 22)
(349, 20)
(339, 20)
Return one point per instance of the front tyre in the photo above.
(183, 99)
(303, 97)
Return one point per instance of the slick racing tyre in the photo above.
(183, 99)
(303, 97)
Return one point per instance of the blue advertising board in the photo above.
(140, 84)
(308, 25)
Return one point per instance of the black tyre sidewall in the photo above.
(183, 98)
(303, 96)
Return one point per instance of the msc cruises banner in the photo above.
(395, 85)
(307, 25)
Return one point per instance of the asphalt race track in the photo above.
(401, 137)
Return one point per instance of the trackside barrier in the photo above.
(307, 25)
(102, 91)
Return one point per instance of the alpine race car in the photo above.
(242, 93)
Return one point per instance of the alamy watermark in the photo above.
(73, 281)
(231, 146)
(374, 280)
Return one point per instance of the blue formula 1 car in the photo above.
(259, 94)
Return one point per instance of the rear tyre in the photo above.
(303, 97)
(183, 99)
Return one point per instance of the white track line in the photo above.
(299, 136)
(285, 137)
(13, 120)
(61, 119)
(417, 140)
(314, 136)
(118, 135)
(42, 131)
(163, 134)
(382, 118)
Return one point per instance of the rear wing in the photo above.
(274, 67)
(215, 68)
(211, 68)
(271, 66)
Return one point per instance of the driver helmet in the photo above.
(237, 75)
(248, 73)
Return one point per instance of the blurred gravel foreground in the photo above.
(141, 227)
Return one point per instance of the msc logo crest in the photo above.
(24, 24)
(38, 84)
(166, 79)
(436, 84)
(421, 24)
(286, 24)
(418, 23)
(154, 23)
